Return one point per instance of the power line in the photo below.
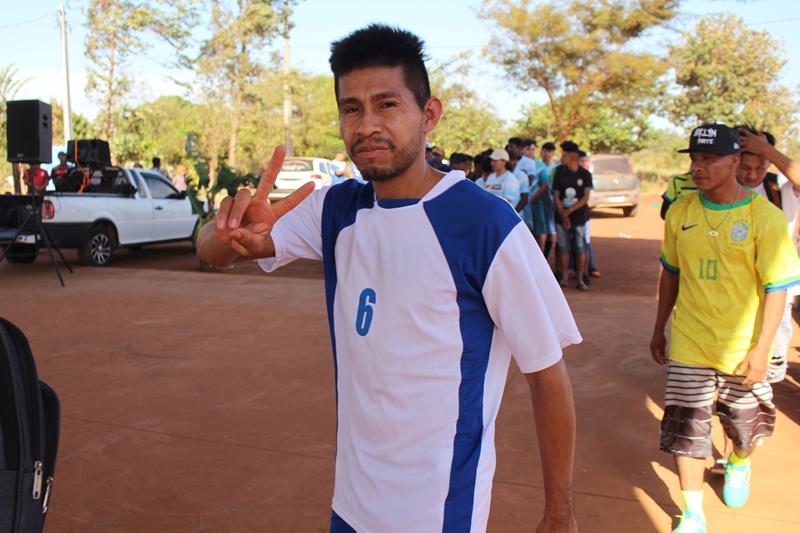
(27, 21)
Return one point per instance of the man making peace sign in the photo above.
(431, 284)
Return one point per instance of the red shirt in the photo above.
(60, 170)
(40, 178)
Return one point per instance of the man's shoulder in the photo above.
(453, 216)
(765, 211)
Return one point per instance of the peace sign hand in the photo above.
(244, 223)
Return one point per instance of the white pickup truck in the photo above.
(126, 207)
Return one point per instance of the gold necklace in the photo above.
(713, 231)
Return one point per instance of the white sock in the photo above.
(693, 502)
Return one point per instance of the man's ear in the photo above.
(433, 113)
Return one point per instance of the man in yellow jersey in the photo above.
(728, 250)
(679, 185)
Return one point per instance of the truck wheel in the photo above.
(98, 247)
(630, 211)
(22, 253)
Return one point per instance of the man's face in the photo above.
(752, 170)
(383, 127)
(62, 158)
(571, 160)
(547, 155)
(498, 166)
(709, 171)
(339, 156)
(529, 151)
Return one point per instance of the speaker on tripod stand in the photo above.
(29, 137)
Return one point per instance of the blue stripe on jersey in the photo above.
(470, 225)
(339, 209)
(340, 526)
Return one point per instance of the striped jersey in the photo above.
(427, 301)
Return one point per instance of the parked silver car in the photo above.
(297, 171)
(615, 183)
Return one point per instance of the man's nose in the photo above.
(369, 124)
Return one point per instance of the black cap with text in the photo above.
(714, 139)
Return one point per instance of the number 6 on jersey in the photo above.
(364, 314)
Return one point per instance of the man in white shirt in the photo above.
(758, 154)
(430, 284)
(501, 182)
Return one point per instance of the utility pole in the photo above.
(67, 106)
(287, 97)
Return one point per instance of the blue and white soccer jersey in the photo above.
(427, 300)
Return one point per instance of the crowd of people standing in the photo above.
(551, 196)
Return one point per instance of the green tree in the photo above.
(314, 118)
(606, 132)
(229, 58)
(156, 129)
(726, 72)
(10, 84)
(581, 54)
(81, 127)
(469, 124)
(118, 30)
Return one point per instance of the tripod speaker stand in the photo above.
(33, 220)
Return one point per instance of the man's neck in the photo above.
(415, 182)
(726, 193)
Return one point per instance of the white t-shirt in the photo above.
(427, 300)
(506, 185)
(790, 204)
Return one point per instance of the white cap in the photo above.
(499, 154)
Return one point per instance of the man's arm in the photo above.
(757, 144)
(580, 203)
(554, 412)
(241, 229)
(668, 286)
(217, 253)
(754, 366)
(523, 199)
(543, 187)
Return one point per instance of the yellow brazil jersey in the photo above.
(681, 185)
(727, 259)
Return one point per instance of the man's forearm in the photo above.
(667, 295)
(786, 165)
(774, 306)
(554, 410)
(523, 199)
(538, 194)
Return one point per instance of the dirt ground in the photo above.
(204, 402)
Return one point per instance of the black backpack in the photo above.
(29, 427)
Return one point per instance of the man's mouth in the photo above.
(371, 150)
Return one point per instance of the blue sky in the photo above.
(448, 27)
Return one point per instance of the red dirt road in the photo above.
(204, 402)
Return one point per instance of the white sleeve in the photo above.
(526, 303)
(298, 234)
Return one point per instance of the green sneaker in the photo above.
(691, 524)
(737, 485)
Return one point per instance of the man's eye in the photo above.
(389, 104)
(350, 109)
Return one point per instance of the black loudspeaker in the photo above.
(29, 131)
(90, 152)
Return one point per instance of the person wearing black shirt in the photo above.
(571, 187)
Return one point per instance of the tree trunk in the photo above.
(16, 178)
(237, 106)
(109, 103)
(213, 166)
